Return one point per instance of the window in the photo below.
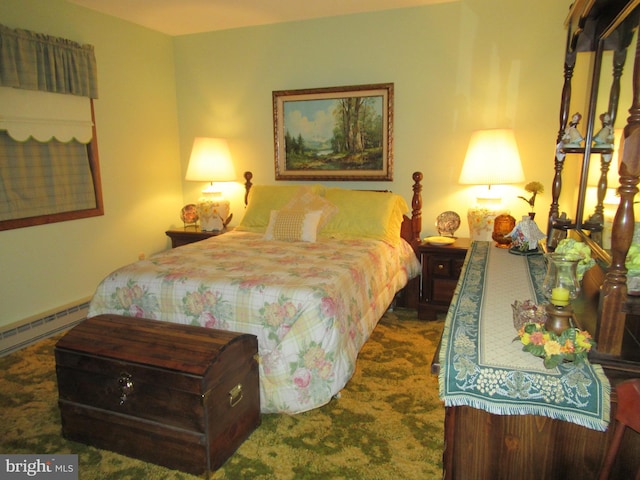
(49, 168)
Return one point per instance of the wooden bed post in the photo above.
(247, 186)
(416, 210)
(411, 229)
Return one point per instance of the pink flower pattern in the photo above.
(309, 328)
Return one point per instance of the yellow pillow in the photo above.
(365, 214)
(262, 199)
(293, 225)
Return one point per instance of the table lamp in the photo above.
(210, 161)
(492, 159)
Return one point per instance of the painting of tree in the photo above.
(339, 133)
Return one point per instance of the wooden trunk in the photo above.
(180, 396)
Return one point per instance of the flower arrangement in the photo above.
(572, 345)
(534, 188)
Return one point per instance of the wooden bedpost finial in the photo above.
(247, 185)
(416, 208)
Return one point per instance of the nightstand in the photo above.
(187, 235)
(441, 265)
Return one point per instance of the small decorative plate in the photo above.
(189, 213)
(447, 223)
(440, 240)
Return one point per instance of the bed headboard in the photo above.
(411, 226)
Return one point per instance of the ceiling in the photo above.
(180, 17)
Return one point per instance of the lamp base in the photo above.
(481, 223)
(481, 217)
(213, 210)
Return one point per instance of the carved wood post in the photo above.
(619, 57)
(614, 289)
(556, 186)
(416, 209)
(247, 186)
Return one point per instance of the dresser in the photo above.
(506, 416)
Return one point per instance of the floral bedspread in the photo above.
(311, 305)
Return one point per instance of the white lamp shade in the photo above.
(492, 159)
(210, 161)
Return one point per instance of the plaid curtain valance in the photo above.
(36, 61)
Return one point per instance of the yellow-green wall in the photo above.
(47, 266)
(456, 67)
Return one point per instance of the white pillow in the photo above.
(293, 225)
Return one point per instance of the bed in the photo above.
(309, 270)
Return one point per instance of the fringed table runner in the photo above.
(481, 365)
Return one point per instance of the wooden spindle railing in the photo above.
(613, 295)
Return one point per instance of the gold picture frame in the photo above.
(334, 133)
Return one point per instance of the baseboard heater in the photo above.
(25, 332)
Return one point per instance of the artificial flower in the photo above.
(534, 188)
(572, 345)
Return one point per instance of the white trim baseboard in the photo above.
(25, 332)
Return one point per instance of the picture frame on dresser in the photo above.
(334, 133)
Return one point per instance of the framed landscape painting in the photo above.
(337, 133)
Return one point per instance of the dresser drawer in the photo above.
(440, 267)
(449, 267)
(442, 289)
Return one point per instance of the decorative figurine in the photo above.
(604, 137)
(526, 236)
(560, 227)
(572, 137)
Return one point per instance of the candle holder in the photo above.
(559, 318)
(560, 286)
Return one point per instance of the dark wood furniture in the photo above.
(481, 444)
(441, 265)
(599, 28)
(627, 416)
(181, 396)
(187, 235)
(528, 447)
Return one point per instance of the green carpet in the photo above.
(387, 423)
